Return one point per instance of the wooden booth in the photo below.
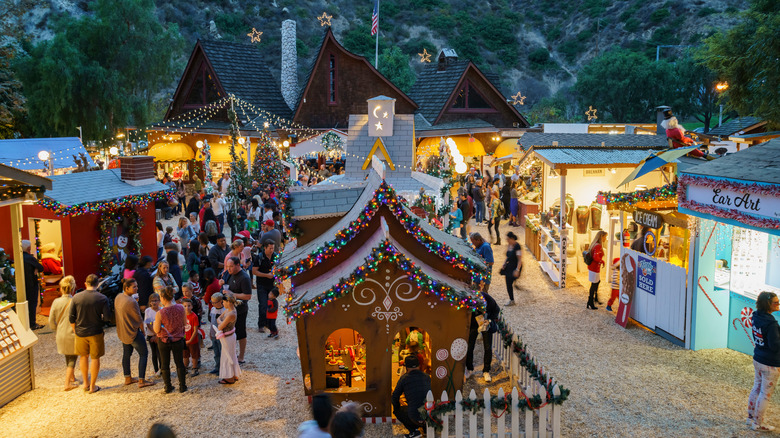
(376, 286)
(16, 339)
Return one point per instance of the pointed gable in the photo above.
(458, 91)
(219, 68)
(339, 83)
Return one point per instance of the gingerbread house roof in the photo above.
(340, 280)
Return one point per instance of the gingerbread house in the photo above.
(379, 284)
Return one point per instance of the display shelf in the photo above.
(548, 264)
(551, 270)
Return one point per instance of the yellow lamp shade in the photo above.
(506, 147)
(171, 152)
(430, 146)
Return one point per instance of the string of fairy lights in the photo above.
(58, 155)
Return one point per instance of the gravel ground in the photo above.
(622, 381)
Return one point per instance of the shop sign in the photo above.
(648, 218)
(593, 172)
(753, 204)
(645, 278)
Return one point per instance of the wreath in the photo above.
(132, 220)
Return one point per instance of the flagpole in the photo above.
(376, 50)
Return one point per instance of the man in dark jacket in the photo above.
(32, 267)
(491, 313)
(145, 281)
(479, 201)
(414, 385)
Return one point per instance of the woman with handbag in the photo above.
(487, 328)
(512, 265)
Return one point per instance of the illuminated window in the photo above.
(345, 361)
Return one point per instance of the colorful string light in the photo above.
(114, 205)
(626, 201)
(471, 299)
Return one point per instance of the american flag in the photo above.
(375, 18)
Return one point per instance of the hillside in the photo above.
(536, 46)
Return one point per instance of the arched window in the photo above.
(411, 340)
(345, 361)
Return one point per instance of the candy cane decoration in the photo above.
(707, 295)
(733, 324)
(708, 241)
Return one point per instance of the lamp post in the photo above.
(49, 158)
(721, 87)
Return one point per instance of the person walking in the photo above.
(486, 252)
(32, 267)
(496, 212)
(129, 324)
(169, 328)
(185, 233)
(88, 311)
(491, 314)
(263, 272)
(65, 338)
(229, 368)
(514, 205)
(414, 386)
(456, 218)
(594, 268)
(766, 359)
(160, 239)
(513, 265)
(478, 196)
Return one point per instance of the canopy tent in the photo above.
(314, 144)
(171, 152)
(506, 148)
(467, 146)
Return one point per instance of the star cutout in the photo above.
(378, 126)
(325, 19)
(255, 35)
(518, 99)
(384, 114)
(591, 113)
(425, 56)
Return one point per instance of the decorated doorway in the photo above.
(120, 235)
(46, 239)
(345, 361)
(411, 340)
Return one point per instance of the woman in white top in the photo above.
(160, 239)
(66, 338)
(255, 211)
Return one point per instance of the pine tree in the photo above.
(268, 169)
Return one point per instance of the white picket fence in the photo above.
(514, 422)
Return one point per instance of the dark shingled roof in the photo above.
(734, 126)
(613, 141)
(434, 87)
(241, 71)
(760, 163)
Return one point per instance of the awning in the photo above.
(220, 152)
(467, 146)
(505, 148)
(171, 152)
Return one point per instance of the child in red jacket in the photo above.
(272, 310)
(192, 338)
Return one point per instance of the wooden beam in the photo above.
(24, 177)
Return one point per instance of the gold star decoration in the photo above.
(591, 113)
(384, 114)
(518, 99)
(425, 56)
(378, 126)
(325, 19)
(255, 35)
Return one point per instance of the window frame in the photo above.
(468, 87)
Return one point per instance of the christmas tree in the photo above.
(239, 180)
(268, 169)
(7, 280)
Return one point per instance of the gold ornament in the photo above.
(325, 19)
(591, 113)
(255, 35)
(425, 56)
(518, 99)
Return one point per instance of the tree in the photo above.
(11, 98)
(746, 56)
(699, 84)
(394, 64)
(267, 168)
(101, 72)
(626, 86)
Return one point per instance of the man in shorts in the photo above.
(88, 311)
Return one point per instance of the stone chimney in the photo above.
(137, 170)
(289, 63)
(659, 117)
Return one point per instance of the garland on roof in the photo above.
(130, 219)
(385, 252)
(624, 200)
(132, 202)
(288, 215)
(384, 195)
(726, 213)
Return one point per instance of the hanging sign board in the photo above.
(628, 273)
(648, 218)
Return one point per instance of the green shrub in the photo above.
(539, 56)
(659, 15)
(442, 23)
(631, 25)
(703, 12)
(553, 33)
